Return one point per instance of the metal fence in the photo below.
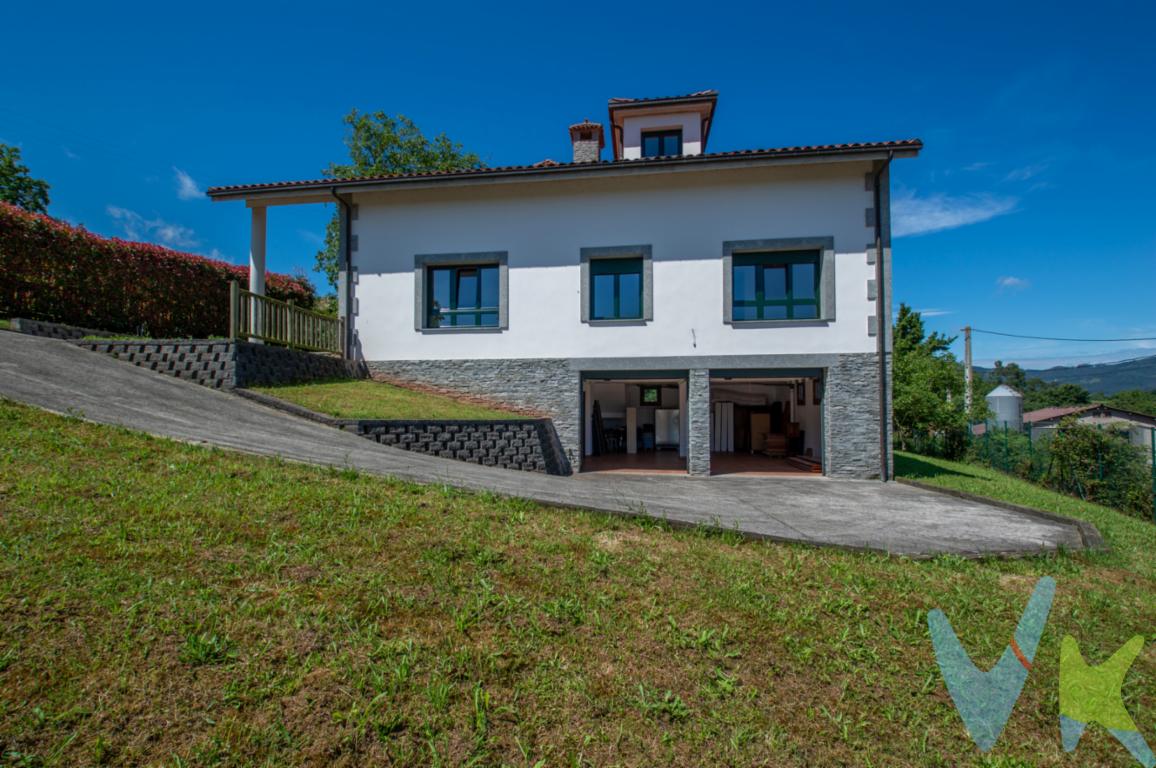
(253, 316)
(1109, 469)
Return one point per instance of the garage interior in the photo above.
(766, 425)
(635, 425)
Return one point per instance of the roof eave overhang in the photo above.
(320, 191)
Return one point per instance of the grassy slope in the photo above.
(1131, 538)
(167, 603)
(368, 399)
(5, 325)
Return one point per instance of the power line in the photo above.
(1058, 338)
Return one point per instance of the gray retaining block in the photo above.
(222, 364)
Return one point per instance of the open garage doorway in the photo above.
(766, 425)
(635, 425)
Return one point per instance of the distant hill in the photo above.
(1101, 378)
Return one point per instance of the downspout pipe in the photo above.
(345, 266)
(882, 320)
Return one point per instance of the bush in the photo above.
(1097, 465)
(52, 271)
(1100, 465)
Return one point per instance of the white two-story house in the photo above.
(669, 307)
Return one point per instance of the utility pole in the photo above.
(967, 374)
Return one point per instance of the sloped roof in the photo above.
(710, 93)
(1044, 414)
(909, 146)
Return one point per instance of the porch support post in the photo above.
(698, 408)
(256, 267)
(257, 251)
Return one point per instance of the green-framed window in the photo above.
(779, 285)
(464, 296)
(616, 289)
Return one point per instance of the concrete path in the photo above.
(894, 518)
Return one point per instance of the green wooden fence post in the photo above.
(1006, 455)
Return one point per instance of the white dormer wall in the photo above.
(633, 127)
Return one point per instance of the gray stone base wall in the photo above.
(529, 444)
(553, 388)
(224, 364)
(698, 420)
(851, 417)
(549, 388)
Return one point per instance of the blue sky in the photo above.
(1032, 209)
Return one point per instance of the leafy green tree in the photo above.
(928, 387)
(17, 185)
(1044, 394)
(381, 145)
(1010, 374)
(1136, 400)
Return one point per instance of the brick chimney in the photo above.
(588, 140)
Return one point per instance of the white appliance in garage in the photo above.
(666, 424)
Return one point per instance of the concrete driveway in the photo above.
(890, 517)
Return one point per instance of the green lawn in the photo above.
(1130, 537)
(169, 604)
(369, 399)
(5, 325)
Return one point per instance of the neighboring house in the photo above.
(670, 308)
(1138, 426)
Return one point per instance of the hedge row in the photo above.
(50, 270)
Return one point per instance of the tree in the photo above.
(16, 184)
(1044, 394)
(381, 145)
(928, 386)
(1010, 374)
(1136, 400)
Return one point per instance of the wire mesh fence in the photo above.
(1103, 464)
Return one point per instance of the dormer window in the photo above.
(670, 126)
(666, 143)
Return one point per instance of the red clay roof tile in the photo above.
(803, 151)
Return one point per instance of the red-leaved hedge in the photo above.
(50, 270)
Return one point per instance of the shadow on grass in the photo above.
(915, 468)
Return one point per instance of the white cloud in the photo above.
(311, 237)
(137, 227)
(935, 312)
(1011, 283)
(1026, 172)
(913, 215)
(187, 187)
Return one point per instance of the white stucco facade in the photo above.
(685, 217)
